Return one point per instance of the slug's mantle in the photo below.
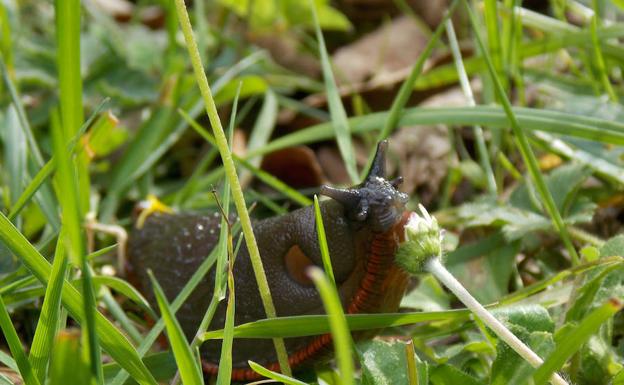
(364, 225)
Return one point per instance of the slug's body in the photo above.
(364, 226)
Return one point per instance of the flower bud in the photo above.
(423, 240)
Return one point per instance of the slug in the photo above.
(364, 225)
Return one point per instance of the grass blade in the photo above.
(111, 339)
(339, 122)
(67, 18)
(186, 291)
(15, 345)
(273, 375)
(48, 319)
(484, 157)
(230, 170)
(320, 231)
(67, 195)
(187, 364)
(529, 119)
(525, 148)
(338, 324)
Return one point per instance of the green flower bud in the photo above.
(423, 240)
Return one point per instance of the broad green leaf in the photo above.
(383, 363)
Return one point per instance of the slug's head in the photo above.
(376, 201)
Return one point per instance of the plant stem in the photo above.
(435, 267)
(230, 170)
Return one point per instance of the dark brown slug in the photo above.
(364, 225)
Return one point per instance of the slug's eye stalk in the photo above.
(376, 200)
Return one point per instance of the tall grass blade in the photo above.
(67, 16)
(187, 364)
(337, 323)
(484, 157)
(230, 170)
(67, 194)
(47, 325)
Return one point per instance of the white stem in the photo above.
(435, 267)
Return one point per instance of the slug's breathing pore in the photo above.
(364, 225)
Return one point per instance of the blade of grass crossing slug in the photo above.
(224, 235)
(186, 291)
(525, 148)
(67, 195)
(225, 362)
(67, 365)
(339, 122)
(112, 340)
(320, 231)
(337, 323)
(574, 340)
(15, 345)
(230, 170)
(188, 366)
(300, 326)
(273, 375)
(48, 319)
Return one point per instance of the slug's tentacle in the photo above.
(378, 167)
(375, 201)
(349, 198)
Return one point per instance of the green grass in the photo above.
(520, 235)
